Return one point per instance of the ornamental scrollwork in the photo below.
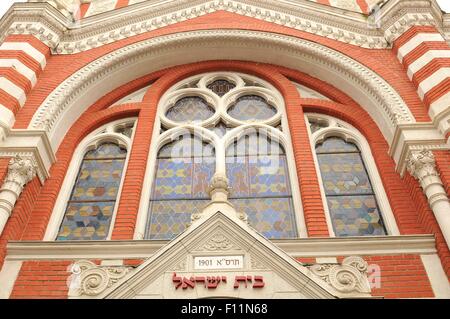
(89, 279)
(218, 242)
(348, 277)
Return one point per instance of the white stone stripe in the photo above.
(432, 81)
(6, 117)
(416, 41)
(440, 105)
(19, 67)
(425, 59)
(28, 49)
(436, 275)
(13, 90)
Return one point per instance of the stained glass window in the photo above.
(91, 205)
(258, 174)
(221, 87)
(351, 200)
(190, 109)
(251, 107)
(220, 129)
(183, 173)
(126, 130)
(316, 126)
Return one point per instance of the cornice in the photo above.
(33, 144)
(95, 31)
(66, 36)
(305, 247)
(412, 137)
(39, 19)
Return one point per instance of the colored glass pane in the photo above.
(355, 216)
(169, 218)
(251, 107)
(351, 200)
(89, 211)
(259, 180)
(190, 109)
(273, 217)
(335, 145)
(221, 87)
(180, 187)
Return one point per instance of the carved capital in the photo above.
(421, 164)
(21, 170)
(89, 279)
(219, 182)
(350, 277)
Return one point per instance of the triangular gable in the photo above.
(215, 237)
(250, 267)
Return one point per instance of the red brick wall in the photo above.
(401, 276)
(42, 280)
(443, 167)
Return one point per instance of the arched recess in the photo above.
(72, 97)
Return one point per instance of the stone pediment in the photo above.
(221, 256)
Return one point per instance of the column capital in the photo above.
(21, 170)
(422, 164)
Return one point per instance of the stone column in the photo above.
(422, 166)
(21, 170)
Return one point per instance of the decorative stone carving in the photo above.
(89, 279)
(218, 242)
(219, 182)
(21, 170)
(421, 164)
(349, 277)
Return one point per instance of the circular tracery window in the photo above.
(234, 121)
(251, 108)
(190, 109)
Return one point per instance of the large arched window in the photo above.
(354, 197)
(86, 205)
(183, 170)
(259, 178)
(228, 123)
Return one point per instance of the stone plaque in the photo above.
(218, 262)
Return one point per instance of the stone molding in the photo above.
(305, 247)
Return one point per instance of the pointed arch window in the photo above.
(184, 168)
(91, 205)
(87, 203)
(240, 117)
(352, 199)
(259, 179)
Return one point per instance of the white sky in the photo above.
(5, 4)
